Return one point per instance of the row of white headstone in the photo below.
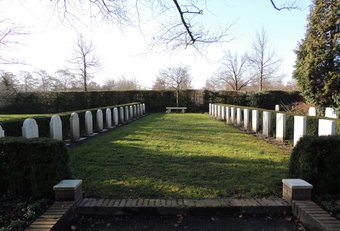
(114, 117)
(233, 115)
(329, 112)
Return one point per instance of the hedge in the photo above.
(156, 101)
(30, 167)
(317, 160)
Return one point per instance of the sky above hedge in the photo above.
(50, 43)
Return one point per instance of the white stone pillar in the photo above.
(238, 116)
(246, 118)
(227, 115)
(300, 123)
(327, 127)
(223, 112)
(255, 120)
(210, 108)
(281, 126)
(266, 123)
(232, 115)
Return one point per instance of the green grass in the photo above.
(179, 156)
(19, 116)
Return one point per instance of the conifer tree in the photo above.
(318, 56)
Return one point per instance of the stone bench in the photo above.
(168, 109)
(296, 189)
(68, 190)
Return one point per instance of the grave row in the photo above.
(250, 120)
(114, 117)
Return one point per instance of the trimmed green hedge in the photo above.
(31, 167)
(317, 160)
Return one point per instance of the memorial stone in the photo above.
(108, 120)
(299, 128)
(246, 118)
(115, 116)
(312, 111)
(255, 120)
(30, 129)
(238, 116)
(2, 132)
(74, 126)
(100, 123)
(56, 128)
(88, 123)
(327, 127)
(266, 123)
(280, 126)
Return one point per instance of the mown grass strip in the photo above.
(179, 156)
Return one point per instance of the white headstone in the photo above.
(88, 123)
(255, 120)
(227, 115)
(2, 132)
(238, 116)
(144, 109)
(266, 123)
(100, 119)
(232, 115)
(74, 126)
(312, 111)
(121, 115)
(330, 113)
(115, 116)
(138, 110)
(246, 118)
(300, 123)
(131, 112)
(127, 116)
(135, 111)
(327, 127)
(223, 112)
(210, 108)
(280, 126)
(277, 107)
(218, 111)
(108, 116)
(56, 128)
(30, 129)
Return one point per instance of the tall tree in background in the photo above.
(85, 59)
(263, 60)
(318, 56)
(173, 78)
(232, 74)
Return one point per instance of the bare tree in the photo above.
(7, 84)
(263, 60)
(68, 81)
(28, 82)
(233, 73)
(213, 84)
(174, 78)
(85, 59)
(122, 84)
(45, 80)
(185, 29)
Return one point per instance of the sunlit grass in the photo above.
(179, 156)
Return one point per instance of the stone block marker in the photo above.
(296, 189)
(330, 113)
(74, 126)
(281, 126)
(232, 115)
(100, 123)
(2, 132)
(108, 120)
(255, 120)
(144, 109)
(277, 107)
(327, 127)
(210, 107)
(131, 112)
(223, 112)
(267, 123)
(88, 123)
(68, 190)
(218, 111)
(300, 124)
(126, 114)
(30, 129)
(246, 118)
(227, 115)
(115, 116)
(135, 111)
(238, 116)
(56, 128)
(312, 111)
(121, 115)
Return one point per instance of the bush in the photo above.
(317, 160)
(30, 167)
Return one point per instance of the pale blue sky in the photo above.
(50, 43)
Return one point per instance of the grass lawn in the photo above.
(179, 156)
(19, 116)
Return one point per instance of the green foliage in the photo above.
(317, 160)
(318, 56)
(30, 167)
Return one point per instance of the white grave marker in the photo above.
(74, 126)
(232, 115)
(127, 118)
(88, 123)
(227, 115)
(210, 107)
(277, 107)
(255, 120)
(327, 127)
(144, 109)
(131, 113)
(238, 116)
(246, 118)
(115, 116)
(56, 128)
(100, 119)
(121, 114)
(280, 126)
(312, 111)
(300, 123)
(330, 113)
(266, 123)
(108, 120)
(2, 132)
(30, 129)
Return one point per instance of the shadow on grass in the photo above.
(162, 157)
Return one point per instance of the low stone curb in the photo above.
(93, 206)
(56, 218)
(314, 217)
